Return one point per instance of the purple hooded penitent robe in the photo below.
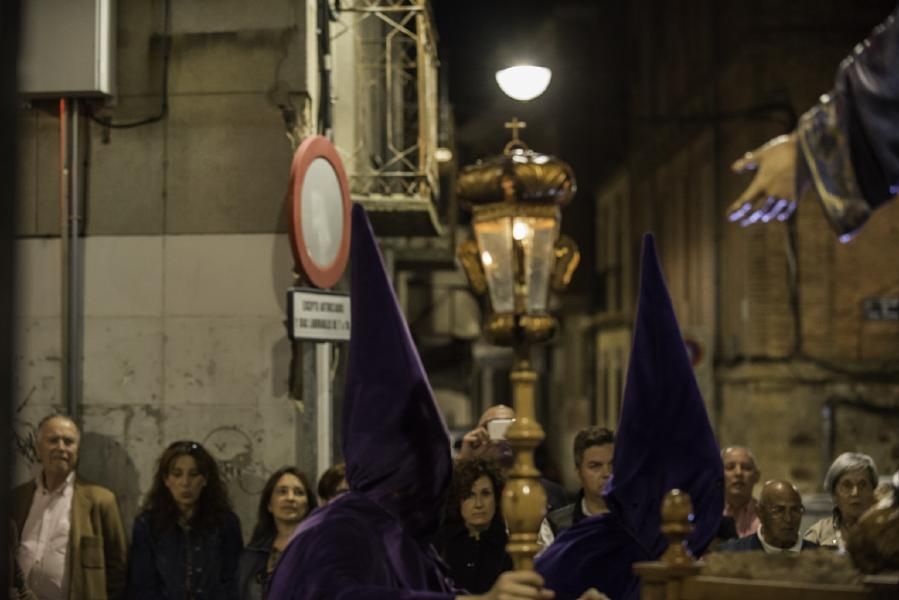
(664, 441)
(373, 542)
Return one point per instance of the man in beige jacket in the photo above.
(72, 542)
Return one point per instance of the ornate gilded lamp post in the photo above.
(516, 256)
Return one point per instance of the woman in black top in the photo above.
(187, 542)
(473, 539)
(286, 500)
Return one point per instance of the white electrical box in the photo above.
(68, 48)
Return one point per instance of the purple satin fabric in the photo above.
(664, 441)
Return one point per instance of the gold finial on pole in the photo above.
(677, 524)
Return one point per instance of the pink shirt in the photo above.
(746, 518)
(45, 540)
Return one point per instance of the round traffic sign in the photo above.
(319, 206)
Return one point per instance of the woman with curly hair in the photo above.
(473, 539)
(186, 543)
(286, 500)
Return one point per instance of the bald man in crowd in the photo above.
(780, 512)
(740, 476)
(72, 542)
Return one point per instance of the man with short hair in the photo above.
(780, 512)
(73, 545)
(740, 476)
(593, 451)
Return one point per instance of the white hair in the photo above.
(849, 461)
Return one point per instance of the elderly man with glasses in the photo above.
(780, 514)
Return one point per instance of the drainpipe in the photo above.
(71, 259)
(325, 109)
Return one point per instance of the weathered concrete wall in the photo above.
(797, 417)
(218, 162)
(184, 339)
(186, 264)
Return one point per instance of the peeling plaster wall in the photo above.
(184, 339)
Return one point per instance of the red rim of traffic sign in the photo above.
(321, 276)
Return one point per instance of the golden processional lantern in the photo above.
(516, 257)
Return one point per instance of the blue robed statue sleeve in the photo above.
(849, 141)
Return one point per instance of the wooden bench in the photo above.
(678, 576)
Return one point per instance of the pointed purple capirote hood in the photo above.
(664, 438)
(664, 441)
(395, 441)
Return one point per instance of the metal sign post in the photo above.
(317, 316)
(323, 407)
(320, 239)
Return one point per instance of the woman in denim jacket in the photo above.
(186, 543)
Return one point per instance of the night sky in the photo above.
(476, 39)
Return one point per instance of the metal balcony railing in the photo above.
(390, 157)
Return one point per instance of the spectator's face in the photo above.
(185, 482)
(740, 476)
(853, 494)
(289, 502)
(479, 507)
(57, 446)
(780, 513)
(596, 469)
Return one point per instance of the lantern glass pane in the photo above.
(536, 236)
(494, 239)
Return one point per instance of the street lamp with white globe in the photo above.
(524, 82)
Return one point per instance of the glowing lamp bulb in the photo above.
(520, 230)
(524, 82)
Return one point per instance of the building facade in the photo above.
(789, 360)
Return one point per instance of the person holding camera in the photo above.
(488, 441)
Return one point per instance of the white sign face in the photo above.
(321, 316)
(322, 212)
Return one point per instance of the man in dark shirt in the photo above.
(593, 451)
(780, 513)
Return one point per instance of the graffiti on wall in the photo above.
(232, 449)
(24, 433)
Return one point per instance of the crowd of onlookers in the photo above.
(186, 543)
(69, 542)
(771, 523)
